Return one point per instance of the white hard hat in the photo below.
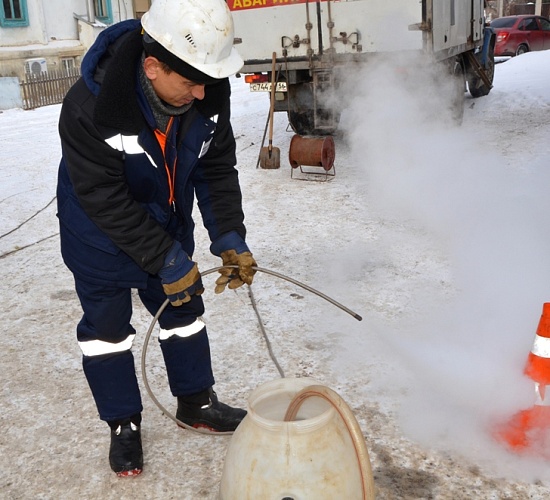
(199, 32)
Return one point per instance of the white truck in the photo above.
(316, 42)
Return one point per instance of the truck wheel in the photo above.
(458, 88)
(475, 84)
(303, 117)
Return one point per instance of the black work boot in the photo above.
(125, 453)
(204, 411)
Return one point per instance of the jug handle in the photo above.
(351, 424)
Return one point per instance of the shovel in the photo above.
(270, 157)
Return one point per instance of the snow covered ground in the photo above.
(436, 235)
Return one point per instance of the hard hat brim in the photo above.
(188, 71)
(228, 67)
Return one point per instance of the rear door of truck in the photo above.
(312, 28)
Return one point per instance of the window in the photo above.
(521, 25)
(531, 24)
(67, 63)
(503, 22)
(103, 11)
(13, 13)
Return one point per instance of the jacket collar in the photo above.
(110, 71)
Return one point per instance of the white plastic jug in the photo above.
(299, 441)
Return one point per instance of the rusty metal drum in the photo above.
(312, 151)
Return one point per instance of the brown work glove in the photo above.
(180, 276)
(233, 277)
(179, 292)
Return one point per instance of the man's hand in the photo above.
(180, 276)
(233, 277)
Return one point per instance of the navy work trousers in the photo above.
(111, 375)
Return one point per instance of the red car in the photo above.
(519, 34)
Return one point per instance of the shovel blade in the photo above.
(270, 158)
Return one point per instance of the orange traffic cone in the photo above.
(529, 430)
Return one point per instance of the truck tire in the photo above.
(301, 112)
(476, 87)
(458, 87)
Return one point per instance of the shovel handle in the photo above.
(272, 100)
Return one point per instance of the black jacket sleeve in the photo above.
(216, 178)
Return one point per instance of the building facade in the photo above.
(38, 36)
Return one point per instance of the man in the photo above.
(144, 131)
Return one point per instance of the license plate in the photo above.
(266, 87)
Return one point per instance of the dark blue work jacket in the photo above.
(116, 221)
